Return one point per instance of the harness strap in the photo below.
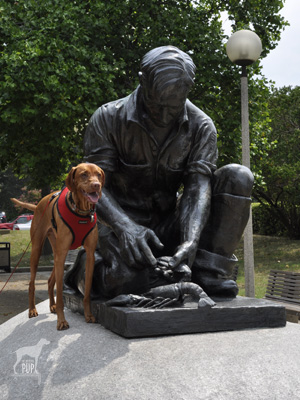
(55, 195)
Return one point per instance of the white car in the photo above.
(22, 227)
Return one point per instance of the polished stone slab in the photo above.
(228, 315)
(88, 361)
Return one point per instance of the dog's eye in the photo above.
(84, 175)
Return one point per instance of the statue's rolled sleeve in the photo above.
(201, 167)
(204, 154)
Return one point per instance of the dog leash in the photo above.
(24, 252)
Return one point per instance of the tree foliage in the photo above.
(278, 190)
(60, 60)
(10, 186)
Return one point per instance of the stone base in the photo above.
(228, 315)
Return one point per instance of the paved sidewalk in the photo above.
(14, 297)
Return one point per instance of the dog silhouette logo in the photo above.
(27, 360)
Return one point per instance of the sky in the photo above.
(282, 65)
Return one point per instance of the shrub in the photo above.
(264, 222)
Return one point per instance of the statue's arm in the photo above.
(109, 211)
(196, 199)
(134, 239)
(194, 213)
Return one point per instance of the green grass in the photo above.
(269, 253)
(20, 248)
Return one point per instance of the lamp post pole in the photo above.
(248, 232)
(243, 48)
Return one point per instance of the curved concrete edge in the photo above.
(88, 361)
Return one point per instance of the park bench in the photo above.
(284, 288)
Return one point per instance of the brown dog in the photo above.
(84, 184)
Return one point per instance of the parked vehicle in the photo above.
(21, 219)
(2, 217)
(23, 227)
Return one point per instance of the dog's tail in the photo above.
(29, 206)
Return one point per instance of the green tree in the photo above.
(60, 60)
(10, 186)
(278, 188)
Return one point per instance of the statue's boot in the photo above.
(74, 277)
(213, 273)
(214, 263)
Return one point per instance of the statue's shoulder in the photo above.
(197, 115)
(113, 109)
(112, 106)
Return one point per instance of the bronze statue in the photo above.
(167, 214)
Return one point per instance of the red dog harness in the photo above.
(79, 225)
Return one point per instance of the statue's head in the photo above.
(166, 76)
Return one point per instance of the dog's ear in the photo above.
(70, 180)
(102, 177)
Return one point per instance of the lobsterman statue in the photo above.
(167, 215)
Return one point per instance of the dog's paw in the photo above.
(53, 309)
(62, 325)
(90, 319)
(33, 313)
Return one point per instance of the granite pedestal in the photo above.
(88, 361)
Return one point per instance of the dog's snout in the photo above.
(96, 186)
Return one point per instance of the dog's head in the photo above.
(85, 181)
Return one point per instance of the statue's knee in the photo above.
(234, 179)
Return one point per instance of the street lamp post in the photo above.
(244, 48)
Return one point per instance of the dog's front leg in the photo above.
(90, 247)
(89, 269)
(59, 260)
(51, 280)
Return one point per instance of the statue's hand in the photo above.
(182, 271)
(185, 253)
(135, 244)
